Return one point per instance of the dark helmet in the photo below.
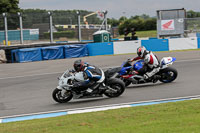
(141, 51)
(79, 65)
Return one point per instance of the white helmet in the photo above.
(141, 51)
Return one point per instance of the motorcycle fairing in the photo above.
(166, 61)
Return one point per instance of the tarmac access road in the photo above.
(27, 87)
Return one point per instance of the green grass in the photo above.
(150, 33)
(179, 117)
(141, 34)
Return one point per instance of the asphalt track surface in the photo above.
(27, 87)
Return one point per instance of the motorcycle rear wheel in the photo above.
(168, 75)
(57, 96)
(115, 84)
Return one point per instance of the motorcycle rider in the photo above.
(150, 61)
(92, 76)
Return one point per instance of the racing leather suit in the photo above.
(152, 62)
(92, 77)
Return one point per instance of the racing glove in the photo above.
(129, 60)
(77, 85)
(72, 71)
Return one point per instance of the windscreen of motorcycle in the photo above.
(138, 65)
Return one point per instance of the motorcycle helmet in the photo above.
(141, 51)
(79, 65)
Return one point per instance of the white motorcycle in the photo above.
(111, 87)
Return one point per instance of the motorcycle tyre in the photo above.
(55, 92)
(115, 81)
(126, 82)
(169, 69)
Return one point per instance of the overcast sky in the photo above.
(115, 8)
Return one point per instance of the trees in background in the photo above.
(143, 22)
(9, 7)
(193, 14)
(139, 23)
(63, 17)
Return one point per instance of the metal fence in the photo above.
(192, 27)
(31, 28)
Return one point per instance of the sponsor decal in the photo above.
(34, 31)
(167, 25)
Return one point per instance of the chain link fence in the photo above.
(192, 27)
(37, 27)
(30, 32)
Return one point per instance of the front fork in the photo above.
(59, 88)
(63, 91)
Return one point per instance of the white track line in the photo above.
(31, 75)
(104, 106)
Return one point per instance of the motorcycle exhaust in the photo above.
(137, 79)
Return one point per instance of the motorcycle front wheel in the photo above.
(117, 87)
(61, 98)
(126, 82)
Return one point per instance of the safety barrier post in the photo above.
(106, 22)
(6, 28)
(51, 26)
(79, 26)
(21, 27)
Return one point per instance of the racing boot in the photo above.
(155, 78)
(92, 89)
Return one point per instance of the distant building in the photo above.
(170, 23)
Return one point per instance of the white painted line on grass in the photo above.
(91, 109)
(103, 106)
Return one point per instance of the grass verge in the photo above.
(178, 117)
(150, 33)
(143, 34)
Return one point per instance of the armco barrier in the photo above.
(198, 34)
(156, 44)
(26, 55)
(126, 47)
(100, 48)
(72, 51)
(198, 41)
(183, 43)
(53, 52)
(107, 48)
